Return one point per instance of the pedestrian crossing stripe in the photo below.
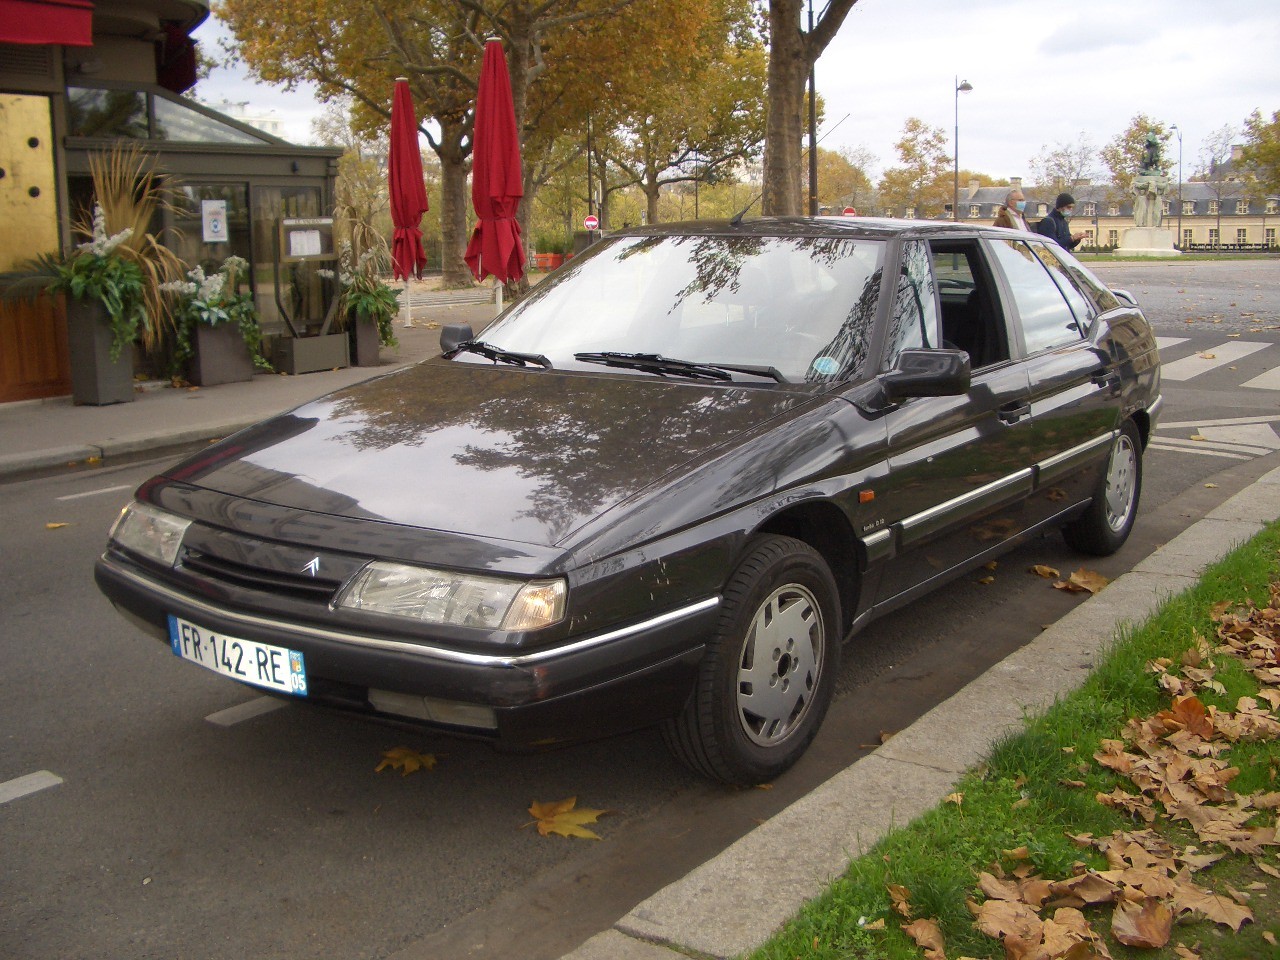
(1199, 363)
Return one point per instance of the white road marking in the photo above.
(31, 783)
(94, 493)
(1198, 448)
(1164, 343)
(1265, 381)
(1251, 434)
(245, 711)
(1223, 353)
(1229, 421)
(1212, 445)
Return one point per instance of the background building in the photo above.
(78, 76)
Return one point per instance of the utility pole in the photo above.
(813, 130)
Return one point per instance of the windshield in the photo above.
(803, 305)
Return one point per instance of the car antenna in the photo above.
(737, 217)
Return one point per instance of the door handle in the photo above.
(1013, 412)
(1105, 378)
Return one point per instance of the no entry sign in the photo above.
(591, 222)
(850, 212)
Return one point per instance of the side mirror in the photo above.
(1124, 296)
(454, 335)
(927, 373)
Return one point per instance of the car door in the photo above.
(958, 472)
(1075, 395)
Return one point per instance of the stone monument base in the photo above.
(1147, 242)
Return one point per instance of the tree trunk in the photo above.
(652, 193)
(788, 72)
(453, 204)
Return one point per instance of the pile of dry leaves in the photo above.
(1174, 759)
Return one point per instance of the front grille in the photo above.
(299, 585)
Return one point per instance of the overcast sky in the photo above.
(1041, 73)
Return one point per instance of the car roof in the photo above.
(877, 228)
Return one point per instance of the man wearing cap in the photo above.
(1054, 226)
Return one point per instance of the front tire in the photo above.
(769, 673)
(1103, 528)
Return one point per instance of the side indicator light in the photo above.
(866, 496)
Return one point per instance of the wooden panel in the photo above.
(33, 350)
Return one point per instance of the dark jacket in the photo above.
(1055, 227)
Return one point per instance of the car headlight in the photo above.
(152, 533)
(441, 596)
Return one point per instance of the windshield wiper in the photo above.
(498, 355)
(656, 363)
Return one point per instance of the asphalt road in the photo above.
(174, 836)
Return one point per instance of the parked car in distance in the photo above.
(663, 488)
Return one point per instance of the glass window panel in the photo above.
(805, 305)
(1045, 317)
(1084, 310)
(305, 290)
(106, 113)
(914, 322)
(179, 123)
(186, 220)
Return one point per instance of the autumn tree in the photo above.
(922, 181)
(708, 116)
(1123, 153)
(1262, 151)
(361, 188)
(843, 180)
(793, 51)
(1216, 171)
(565, 57)
(1056, 168)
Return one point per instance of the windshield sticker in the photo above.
(826, 366)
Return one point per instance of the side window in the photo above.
(1086, 281)
(1080, 305)
(914, 321)
(1046, 319)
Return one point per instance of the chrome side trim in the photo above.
(418, 649)
(1068, 460)
(927, 521)
(1153, 411)
(879, 546)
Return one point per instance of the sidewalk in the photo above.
(42, 434)
(735, 901)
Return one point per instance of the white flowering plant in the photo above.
(363, 293)
(214, 299)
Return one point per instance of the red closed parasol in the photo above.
(497, 180)
(407, 193)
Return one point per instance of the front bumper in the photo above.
(584, 687)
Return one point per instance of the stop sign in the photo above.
(850, 212)
(591, 222)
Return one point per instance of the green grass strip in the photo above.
(1017, 798)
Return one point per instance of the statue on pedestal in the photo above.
(1149, 186)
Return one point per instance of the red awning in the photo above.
(67, 22)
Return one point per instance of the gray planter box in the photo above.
(296, 355)
(221, 356)
(96, 379)
(364, 343)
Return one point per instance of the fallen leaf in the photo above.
(987, 579)
(1208, 356)
(560, 817)
(956, 798)
(56, 526)
(406, 760)
(1142, 924)
(927, 937)
(1185, 953)
(1003, 918)
(1270, 937)
(1211, 486)
(874, 925)
(1043, 570)
(901, 898)
(1196, 436)
(1191, 898)
(1082, 581)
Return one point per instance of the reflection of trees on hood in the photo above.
(576, 438)
(852, 342)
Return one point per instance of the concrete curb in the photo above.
(734, 902)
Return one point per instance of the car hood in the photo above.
(497, 452)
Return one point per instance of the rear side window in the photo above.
(1080, 304)
(1045, 317)
(914, 321)
(1086, 281)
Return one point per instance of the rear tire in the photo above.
(769, 672)
(1103, 528)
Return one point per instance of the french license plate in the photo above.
(276, 668)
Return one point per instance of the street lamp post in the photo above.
(813, 130)
(1179, 129)
(964, 87)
